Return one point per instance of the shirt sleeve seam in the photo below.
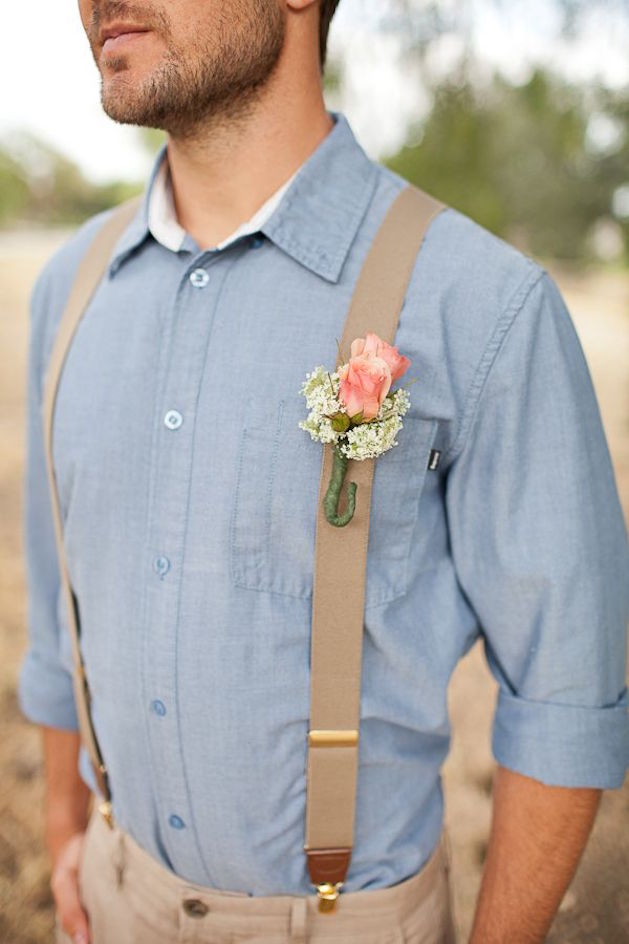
(619, 704)
(501, 329)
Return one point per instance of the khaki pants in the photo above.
(132, 899)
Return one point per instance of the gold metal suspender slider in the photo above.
(333, 738)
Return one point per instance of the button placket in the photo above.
(183, 366)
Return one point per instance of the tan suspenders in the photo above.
(335, 674)
(89, 274)
(336, 658)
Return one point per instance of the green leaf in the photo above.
(340, 422)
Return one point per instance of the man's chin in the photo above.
(119, 98)
(130, 95)
(124, 112)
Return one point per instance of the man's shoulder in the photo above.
(51, 287)
(467, 287)
(467, 254)
(64, 260)
(477, 277)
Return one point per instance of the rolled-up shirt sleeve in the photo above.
(540, 549)
(45, 689)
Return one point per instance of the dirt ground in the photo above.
(595, 908)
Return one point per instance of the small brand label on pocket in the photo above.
(433, 459)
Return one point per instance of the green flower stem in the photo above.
(331, 498)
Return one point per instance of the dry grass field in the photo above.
(596, 907)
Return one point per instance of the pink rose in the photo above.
(364, 383)
(372, 344)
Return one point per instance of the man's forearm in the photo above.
(538, 834)
(67, 796)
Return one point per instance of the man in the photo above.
(189, 491)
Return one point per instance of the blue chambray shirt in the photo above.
(189, 499)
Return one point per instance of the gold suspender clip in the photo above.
(327, 893)
(105, 810)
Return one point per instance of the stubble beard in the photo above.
(204, 81)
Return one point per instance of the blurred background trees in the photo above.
(543, 162)
(39, 184)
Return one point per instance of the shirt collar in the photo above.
(166, 228)
(318, 215)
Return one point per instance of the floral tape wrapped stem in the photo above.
(333, 494)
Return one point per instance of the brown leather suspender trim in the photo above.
(328, 865)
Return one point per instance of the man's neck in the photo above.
(222, 176)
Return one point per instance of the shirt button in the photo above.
(195, 908)
(199, 278)
(158, 707)
(176, 821)
(173, 419)
(161, 565)
(256, 240)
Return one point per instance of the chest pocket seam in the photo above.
(271, 539)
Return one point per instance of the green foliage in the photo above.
(333, 77)
(40, 184)
(14, 189)
(517, 159)
(151, 139)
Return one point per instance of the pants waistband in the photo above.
(289, 911)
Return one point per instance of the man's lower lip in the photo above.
(122, 41)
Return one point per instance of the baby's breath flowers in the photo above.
(354, 409)
(328, 423)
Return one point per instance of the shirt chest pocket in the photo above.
(273, 515)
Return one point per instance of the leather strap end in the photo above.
(328, 865)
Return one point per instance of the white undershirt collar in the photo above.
(166, 228)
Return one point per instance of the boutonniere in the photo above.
(355, 409)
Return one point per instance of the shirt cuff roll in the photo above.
(562, 745)
(46, 694)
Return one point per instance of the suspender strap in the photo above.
(89, 274)
(338, 605)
